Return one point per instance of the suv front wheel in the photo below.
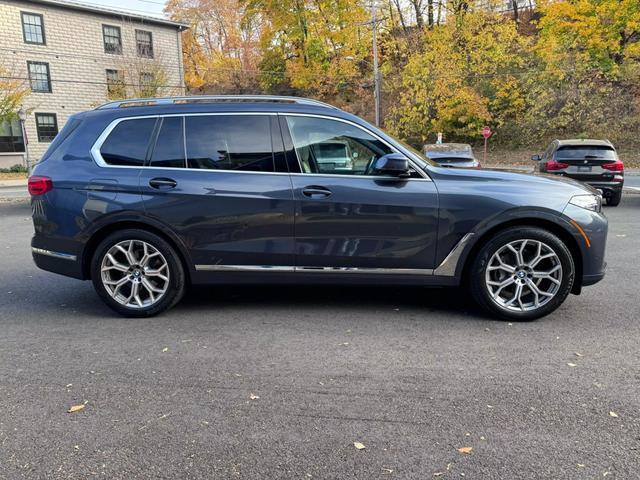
(137, 273)
(522, 273)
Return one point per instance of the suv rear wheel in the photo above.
(522, 273)
(137, 273)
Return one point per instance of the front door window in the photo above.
(328, 146)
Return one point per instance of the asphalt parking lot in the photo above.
(265, 382)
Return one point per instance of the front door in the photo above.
(213, 180)
(346, 215)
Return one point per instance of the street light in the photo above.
(22, 116)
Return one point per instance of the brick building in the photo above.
(75, 56)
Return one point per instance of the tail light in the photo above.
(553, 165)
(616, 166)
(39, 185)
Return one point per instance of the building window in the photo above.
(112, 39)
(11, 136)
(47, 126)
(115, 84)
(33, 28)
(39, 77)
(148, 87)
(144, 43)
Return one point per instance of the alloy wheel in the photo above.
(135, 274)
(523, 275)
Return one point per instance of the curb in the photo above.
(18, 182)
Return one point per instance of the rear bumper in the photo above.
(607, 187)
(56, 260)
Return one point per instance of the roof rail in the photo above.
(142, 102)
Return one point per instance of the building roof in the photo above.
(112, 12)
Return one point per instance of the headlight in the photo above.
(590, 202)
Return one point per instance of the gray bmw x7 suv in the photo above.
(146, 197)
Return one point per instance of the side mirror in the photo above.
(393, 164)
(536, 158)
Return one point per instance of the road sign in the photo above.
(486, 132)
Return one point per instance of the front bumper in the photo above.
(594, 226)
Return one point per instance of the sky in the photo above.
(142, 7)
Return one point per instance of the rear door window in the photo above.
(229, 142)
(128, 142)
(169, 149)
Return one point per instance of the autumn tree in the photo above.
(13, 91)
(588, 81)
(221, 47)
(313, 46)
(466, 76)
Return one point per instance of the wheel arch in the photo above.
(553, 227)
(104, 231)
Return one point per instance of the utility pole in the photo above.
(376, 73)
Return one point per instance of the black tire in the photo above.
(175, 285)
(614, 199)
(477, 273)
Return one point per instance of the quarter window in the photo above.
(112, 39)
(144, 43)
(169, 149)
(33, 28)
(47, 126)
(39, 77)
(229, 142)
(332, 147)
(128, 142)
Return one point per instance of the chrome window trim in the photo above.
(97, 156)
(353, 124)
(49, 253)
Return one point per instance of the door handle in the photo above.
(162, 183)
(314, 191)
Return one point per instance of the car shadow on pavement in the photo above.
(442, 300)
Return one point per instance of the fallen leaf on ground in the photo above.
(165, 349)
(438, 474)
(572, 364)
(465, 450)
(613, 414)
(387, 470)
(76, 408)
(254, 397)
(358, 445)
(578, 354)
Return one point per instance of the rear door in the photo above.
(585, 161)
(347, 218)
(215, 181)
